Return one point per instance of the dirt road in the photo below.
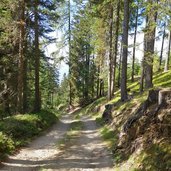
(85, 152)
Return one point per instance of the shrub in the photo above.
(6, 144)
(17, 130)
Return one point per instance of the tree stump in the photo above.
(107, 114)
(164, 96)
(153, 96)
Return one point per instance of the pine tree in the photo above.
(125, 51)
(21, 68)
(149, 40)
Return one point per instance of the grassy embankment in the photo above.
(147, 151)
(18, 130)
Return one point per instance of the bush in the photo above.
(17, 130)
(6, 144)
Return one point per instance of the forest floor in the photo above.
(69, 145)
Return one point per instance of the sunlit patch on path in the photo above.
(83, 152)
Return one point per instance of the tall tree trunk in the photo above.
(25, 88)
(125, 51)
(52, 97)
(149, 40)
(119, 67)
(93, 78)
(69, 43)
(21, 57)
(161, 53)
(101, 88)
(37, 105)
(134, 46)
(148, 59)
(87, 72)
(116, 45)
(110, 54)
(142, 76)
(5, 94)
(166, 67)
(98, 81)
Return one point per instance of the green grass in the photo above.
(90, 109)
(110, 136)
(17, 130)
(162, 80)
(154, 157)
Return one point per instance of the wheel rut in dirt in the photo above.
(83, 150)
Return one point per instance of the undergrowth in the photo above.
(152, 156)
(17, 130)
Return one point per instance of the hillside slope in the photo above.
(146, 144)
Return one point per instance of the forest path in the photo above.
(82, 151)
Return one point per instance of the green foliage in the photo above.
(10, 52)
(49, 83)
(6, 144)
(156, 157)
(20, 126)
(162, 79)
(18, 130)
(63, 93)
(148, 158)
(110, 136)
(137, 69)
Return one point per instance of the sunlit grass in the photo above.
(109, 135)
(121, 111)
(147, 159)
(18, 130)
(162, 80)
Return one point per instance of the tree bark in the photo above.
(69, 42)
(134, 46)
(25, 88)
(149, 40)
(5, 94)
(21, 57)
(98, 81)
(168, 55)
(101, 87)
(37, 105)
(148, 59)
(142, 77)
(110, 54)
(93, 78)
(87, 62)
(119, 68)
(125, 51)
(116, 45)
(161, 54)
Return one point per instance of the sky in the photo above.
(63, 67)
(140, 49)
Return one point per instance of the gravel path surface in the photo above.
(85, 151)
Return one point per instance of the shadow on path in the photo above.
(85, 151)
